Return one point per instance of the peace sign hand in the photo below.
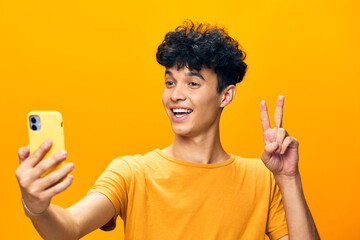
(280, 153)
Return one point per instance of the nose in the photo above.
(178, 94)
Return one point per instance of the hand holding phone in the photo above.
(40, 171)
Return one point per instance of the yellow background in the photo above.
(94, 61)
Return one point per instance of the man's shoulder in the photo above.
(248, 164)
(134, 161)
(254, 172)
(137, 157)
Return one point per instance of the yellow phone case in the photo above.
(51, 127)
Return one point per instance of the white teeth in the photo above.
(181, 110)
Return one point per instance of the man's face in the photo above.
(191, 100)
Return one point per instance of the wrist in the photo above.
(285, 180)
(28, 212)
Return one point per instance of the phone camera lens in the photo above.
(33, 127)
(33, 120)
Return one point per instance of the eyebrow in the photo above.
(188, 74)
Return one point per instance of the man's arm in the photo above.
(281, 157)
(51, 221)
(85, 216)
(300, 222)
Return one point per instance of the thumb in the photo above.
(23, 153)
(269, 149)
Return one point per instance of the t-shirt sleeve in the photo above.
(276, 225)
(114, 183)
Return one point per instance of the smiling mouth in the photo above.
(180, 112)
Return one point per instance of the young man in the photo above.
(192, 189)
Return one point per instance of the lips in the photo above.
(180, 113)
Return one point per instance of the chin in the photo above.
(182, 131)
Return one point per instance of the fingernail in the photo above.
(71, 165)
(274, 145)
(48, 142)
(25, 150)
(63, 154)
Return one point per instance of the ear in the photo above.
(227, 95)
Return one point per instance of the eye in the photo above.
(169, 83)
(194, 84)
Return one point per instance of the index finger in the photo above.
(264, 116)
(39, 153)
(279, 111)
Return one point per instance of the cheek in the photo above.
(164, 98)
(165, 101)
(207, 97)
(208, 107)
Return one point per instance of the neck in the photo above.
(205, 148)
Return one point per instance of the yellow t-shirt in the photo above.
(163, 198)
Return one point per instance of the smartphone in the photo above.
(43, 125)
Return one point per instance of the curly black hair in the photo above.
(195, 45)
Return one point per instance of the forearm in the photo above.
(300, 223)
(55, 223)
